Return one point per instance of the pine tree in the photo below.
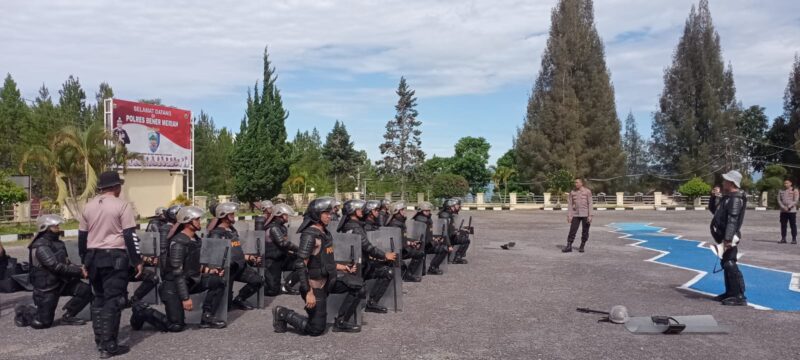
(752, 125)
(401, 151)
(571, 122)
(791, 114)
(339, 151)
(636, 152)
(14, 116)
(98, 110)
(224, 153)
(72, 104)
(697, 112)
(260, 156)
(41, 127)
(208, 167)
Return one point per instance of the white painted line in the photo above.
(548, 209)
(73, 232)
(497, 208)
(409, 208)
(601, 209)
(563, 209)
(699, 209)
(481, 208)
(761, 208)
(661, 209)
(248, 217)
(619, 209)
(700, 274)
(680, 208)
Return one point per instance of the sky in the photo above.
(472, 63)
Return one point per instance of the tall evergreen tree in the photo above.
(14, 116)
(571, 122)
(339, 152)
(72, 104)
(697, 111)
(636, 148)
(210, 161)
(401, 151)
(261, 156)
(43, 124)
(98, 110)
(791, 113)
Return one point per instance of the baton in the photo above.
(590, 311)
(396, 265)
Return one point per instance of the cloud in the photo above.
(193, 52)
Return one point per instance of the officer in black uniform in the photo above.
(281, 254)
(260, 221)
(412, 248)
(183, 276)
(161, 223)
(729, 211)
(383, 210)
(375, 266)
(436, 246)
(52, 276)
(451, 208)
(241, 270)
(318, 277)
(372, 215)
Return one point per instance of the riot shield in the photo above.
(254, 244)
(390, 239)
(346, 250)
(333, 225)
(149, 246)
(440, 235)
(215, 253)
(294, 236)
(242, 227)
(418, 231)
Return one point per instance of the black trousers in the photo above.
(583, 222)
(274, 268)
(248, 275)
(149, 281)
(462, 240)
(173, 305)
(791, 220)
(416, 257)
(47, 301)
(734, 280)
(318, 316)
(108, 275)
(382, 274)
(440, 252)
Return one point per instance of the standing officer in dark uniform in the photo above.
(108, 246)
(438, 246)
(375, 266)
(725, 228)
(412, 248)
(318, 277)
(222, 227)
(52, 276)
(281, 254)
(183, 276)
(451, 208)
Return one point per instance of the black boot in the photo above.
(783, 241)
(279, 314)
(209, 321)
(411, 278)
(340, 325)
(69, 319)
(241, 304)
(374, 307)
(567, 248)
(109, 328)
(460, 260)
(435, 271)
(735, 301)
(22, 316)
(721, 297)
(794, 241)
(580, 249)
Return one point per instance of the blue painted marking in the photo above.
(764, 287)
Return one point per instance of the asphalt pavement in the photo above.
(504, 304)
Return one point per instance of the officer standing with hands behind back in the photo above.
(108, 246)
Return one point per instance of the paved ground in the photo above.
(517, 304)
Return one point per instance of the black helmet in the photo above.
(172, 213)
(318, 206)
(349, 208)
(313, 214)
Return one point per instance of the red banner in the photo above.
(161, 135)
